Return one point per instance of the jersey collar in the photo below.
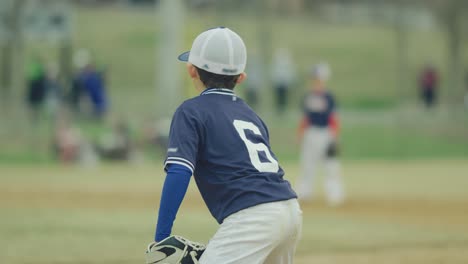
(222, 91)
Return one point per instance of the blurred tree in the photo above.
(5, 77)
(263, 8)
(450, 13)
(402, 47)
(11, 48)
(168, 77)
(287, 7)
(452, 18)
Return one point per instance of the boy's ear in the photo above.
(241, 78)
(192, 71)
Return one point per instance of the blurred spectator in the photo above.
(466, 91)
(88, 82)
(253, 82)
(283, 74)
(80, 60)
(156, 133)
(76, 92)
(428, 84)
(94, 86)
(66, 141)
(70, 146)
(466, 99)
(116, 145)
(36, 87)
(54, 90)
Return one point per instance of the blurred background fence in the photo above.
(377, 50)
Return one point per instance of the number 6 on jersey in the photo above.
(255, 148)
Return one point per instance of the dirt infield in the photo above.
(397, 212)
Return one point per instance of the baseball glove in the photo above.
(174, 250)
(332, 149)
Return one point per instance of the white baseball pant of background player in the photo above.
(314, 147)
(266, 233)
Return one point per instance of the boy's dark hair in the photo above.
(213, 80)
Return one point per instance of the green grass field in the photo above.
(398, 212)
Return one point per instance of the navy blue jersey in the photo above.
(318, 108)
(226, 146)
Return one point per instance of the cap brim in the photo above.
(184, 56)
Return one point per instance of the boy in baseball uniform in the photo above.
(223, 143)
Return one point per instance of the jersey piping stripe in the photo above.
(211, 90)
(220, 93)
(181, 159)
(180, 163)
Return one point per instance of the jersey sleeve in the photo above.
(174, 189)
(184, 137)
(333, 120)
(332, 103)
(303, 104)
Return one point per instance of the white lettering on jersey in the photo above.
(316, 103)
(255, 148)
(172, 149)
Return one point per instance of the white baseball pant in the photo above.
(314, 147)
(266, 233)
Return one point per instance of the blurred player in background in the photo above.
(253, 84)
(90, 83)
(36, 87)
(283, 74)
(465, 101)
(428, 84)
(319, 134)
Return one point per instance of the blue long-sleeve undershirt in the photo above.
(174, 189)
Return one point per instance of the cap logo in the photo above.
(229, 70)
(206, 66)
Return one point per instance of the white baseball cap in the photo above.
(218, 50)
(321, 71)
